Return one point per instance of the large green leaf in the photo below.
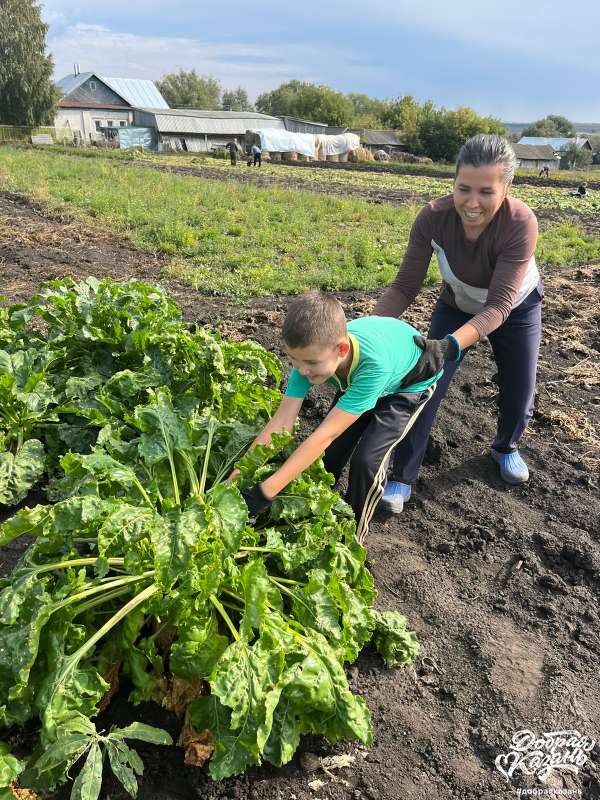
(19, 472)
(10, 767)
(227, 514)
(248, 680)
(230, 757)
(174, 537)
(396, 645)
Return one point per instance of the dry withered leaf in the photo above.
(23, 794)
(199, 747)
(180, 694)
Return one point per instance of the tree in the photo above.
(406, 115)
(552, 125)
(368, 111)
(436, 132)
(573, 156)
(307, 101)
(442, 133)
(27, 92)
(236, 100)
(189, 90)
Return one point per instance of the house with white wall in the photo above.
(93, 104)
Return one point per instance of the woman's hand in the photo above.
(436, 352)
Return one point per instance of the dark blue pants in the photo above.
(515, 345)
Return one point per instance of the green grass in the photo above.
(566, 245)
(228, 238)
(224, 237)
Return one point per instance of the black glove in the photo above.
(436, 352)
(255, 500)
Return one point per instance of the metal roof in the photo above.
(556, 142)
(70, 82)
(544, 152)
(208, 113)
(374, 138)
(135, 91)
(226, 123)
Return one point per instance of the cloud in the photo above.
(258, 68)
(511, 59)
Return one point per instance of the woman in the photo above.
(484, 241)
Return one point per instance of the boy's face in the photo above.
(318, 362)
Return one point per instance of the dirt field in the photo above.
(500, 583)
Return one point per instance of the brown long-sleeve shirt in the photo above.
(487, 277)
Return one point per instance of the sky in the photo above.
(517, 61)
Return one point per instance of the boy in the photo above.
(373, 362)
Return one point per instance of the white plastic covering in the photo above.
(337, 144)
(279, 141)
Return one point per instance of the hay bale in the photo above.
(291, 156)
(360, 154)
(381, 155)
(275, 157)
(332, 158)
(343, 157)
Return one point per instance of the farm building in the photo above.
(92, 105)
(295, 125)
(380, 140)
(556, 142)
(531, 156)
(201, 131)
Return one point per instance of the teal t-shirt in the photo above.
(383, 353)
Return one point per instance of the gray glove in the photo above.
(436, 353)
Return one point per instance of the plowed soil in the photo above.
(500, 583)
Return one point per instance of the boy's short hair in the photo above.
(314, 318)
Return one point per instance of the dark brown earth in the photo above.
(500, 583)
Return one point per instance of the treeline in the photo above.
(426, 130)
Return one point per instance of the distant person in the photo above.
(233, 151)
(545, 172)
(256, 155)
(484, 241)
(581, 191)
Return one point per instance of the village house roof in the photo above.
(533, 152)
(134, 91)
(379, 138)
(556, 142)
(227, 123)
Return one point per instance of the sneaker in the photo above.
(513, 469)
(395, 495)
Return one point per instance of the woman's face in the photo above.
(478, 194)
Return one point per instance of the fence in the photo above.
(23, 133)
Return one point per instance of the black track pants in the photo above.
(368, 444)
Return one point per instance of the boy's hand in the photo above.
(255, 500)
(234, 474)
(436, 352)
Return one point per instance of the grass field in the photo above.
(237, 239)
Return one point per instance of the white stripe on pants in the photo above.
(377, 487)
